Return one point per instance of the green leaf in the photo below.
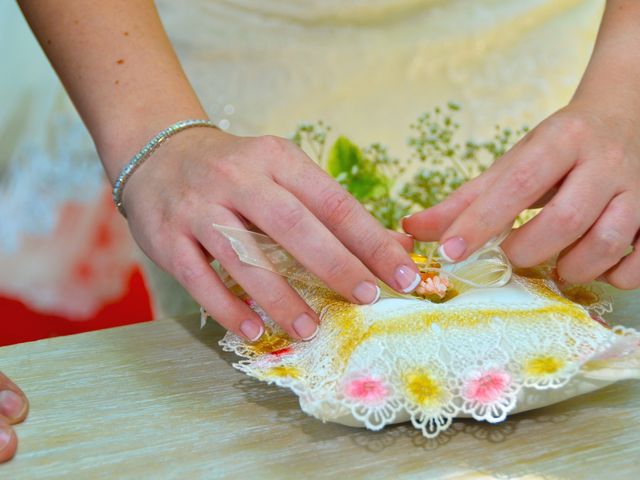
(355, 171)
(344, 155)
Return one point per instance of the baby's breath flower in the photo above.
(440, 163)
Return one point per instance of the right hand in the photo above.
(14, 407)
(204, 176)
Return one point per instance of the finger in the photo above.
(8, 441)
(580, 201)
(271, 291)
(626, 275)
(191, 269)
(430, 224)
(350, 222)
(403, 239)
(292, 225)
(14, 405)
(519, 185)
(605, 243)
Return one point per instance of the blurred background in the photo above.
(67, 262)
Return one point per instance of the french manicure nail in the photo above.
(452, 249)
(251, 329)
(407, 278)
(366, 293)
(5, 438)
(11, 404)
(305, 327)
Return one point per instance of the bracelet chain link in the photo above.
(146, 152)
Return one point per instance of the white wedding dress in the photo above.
(366, 67)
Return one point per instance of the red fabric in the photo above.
(18, 323)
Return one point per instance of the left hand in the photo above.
(583, 167)
(14, 407)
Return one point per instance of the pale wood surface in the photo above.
(160, 400)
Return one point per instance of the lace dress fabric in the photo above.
(368, 68)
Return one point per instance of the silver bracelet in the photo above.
(146, 152)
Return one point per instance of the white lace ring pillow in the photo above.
(484, 354)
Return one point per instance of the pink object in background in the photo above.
(84, 263)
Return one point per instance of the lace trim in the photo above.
(475, 370)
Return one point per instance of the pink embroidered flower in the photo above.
(488, 386)
(435, 285)
(368, 390)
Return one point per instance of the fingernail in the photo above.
(11, 404)
(5, 438)
(366, 293)
(403, 219)
(452, 249)
(251, 329)
(305, 327)
(407, 278)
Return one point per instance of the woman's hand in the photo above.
(584, 167)
(582, 164)
(14, 407)
(204, 176)
(127, 84)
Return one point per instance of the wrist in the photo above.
(148, 150)
(181, 160)
(123, 138)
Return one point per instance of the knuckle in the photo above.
(381, 250)
(186, 203)
(615, 154)
(336, 270)
(622, 211)
(337, 206)
(273, 144)
(226, 168)
(277, 300)
(186, 272)
(288, 217)
(610, 242)
(573, 127)
(484, 221)
(567, 217)
(523, 180)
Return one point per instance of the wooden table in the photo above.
(161, 400)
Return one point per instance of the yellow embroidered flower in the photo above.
(282, 371)
(422, 388)
(270, 342)
(543, 365)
